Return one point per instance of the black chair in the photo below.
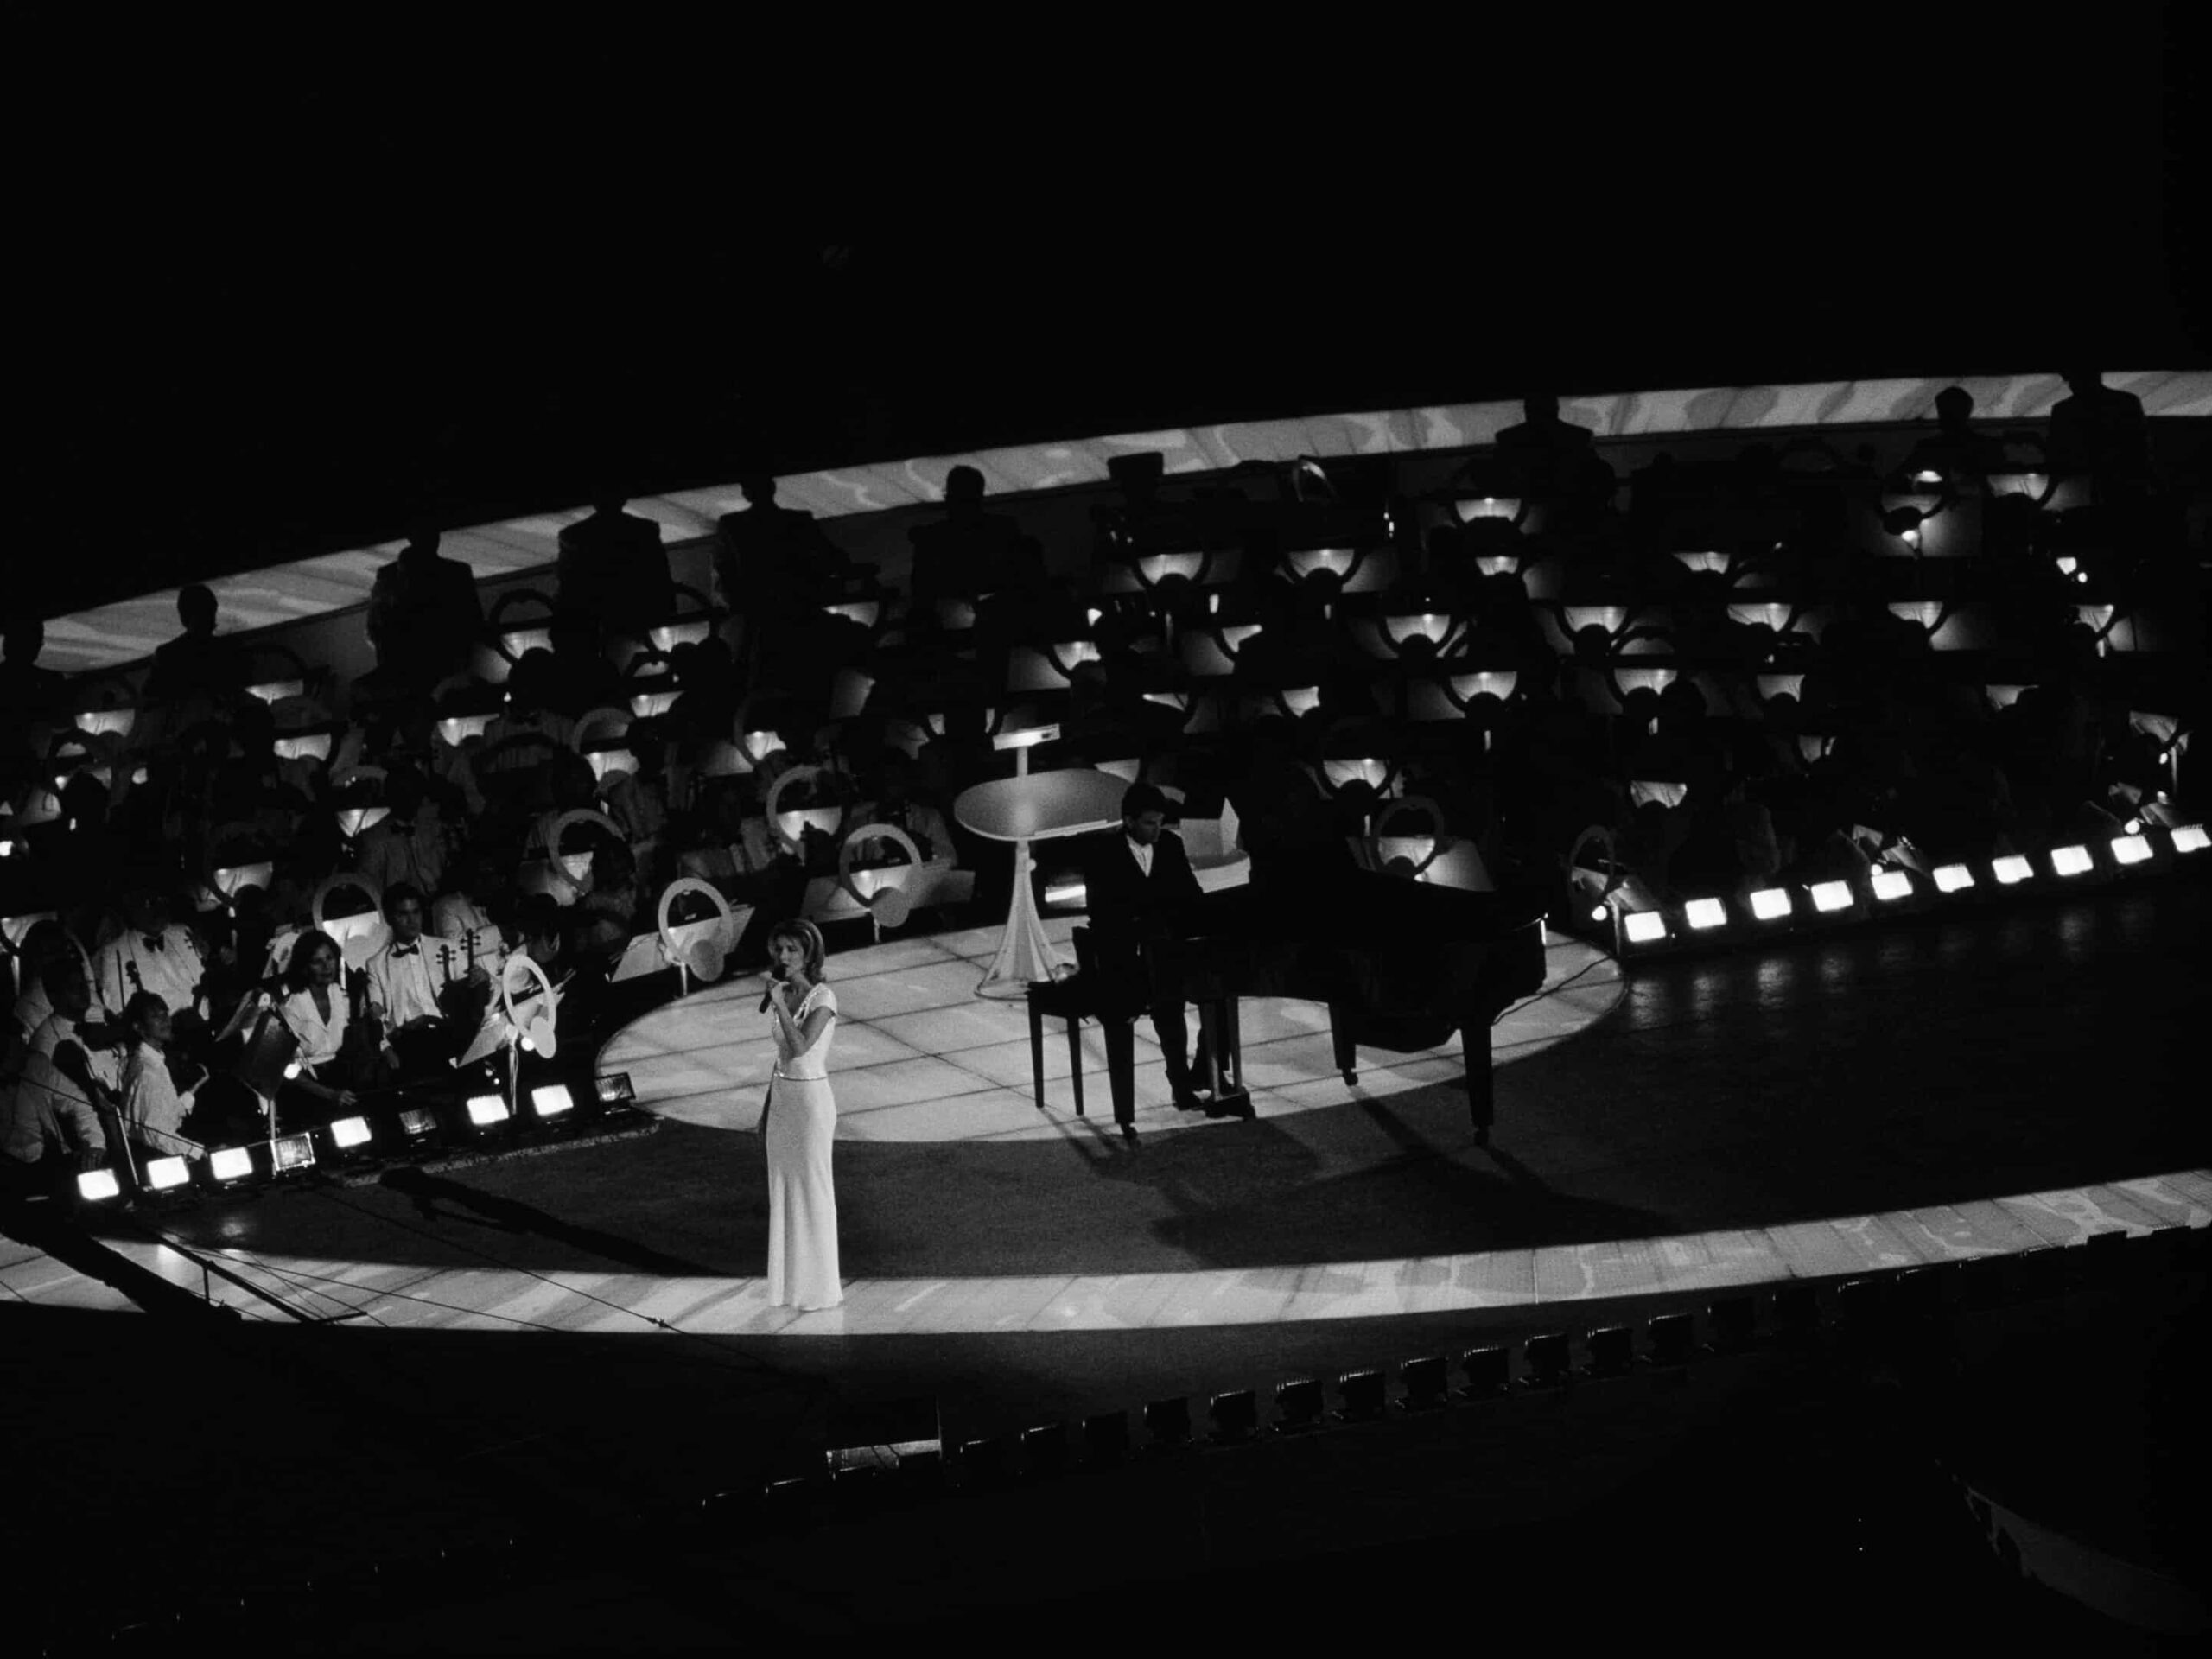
(1074, 999)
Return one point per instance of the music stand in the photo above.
(1035, 806)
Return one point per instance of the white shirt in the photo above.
(32, 1006)
(1142, 852)
(459, 920)
(151, 1105)
(319, 1038)
(105, 1064)
(43, 1111)
(124, 967)
(404, 981)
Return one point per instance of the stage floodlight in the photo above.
(487, 1111)
(1546, 1359)
(1426, 1382)
(2189, 838)
(1890, 886)
(1363, 1395)
(616, 1091)
(1771, 903)
(1644, 926)
(2071, 861)
(1829, 896)
(98, 1186)
(1734, 1320)
(1168, 1422)
(1612, 1351)
(166, 1174)
(1673, 1339)
(1235, 1415)
(418, 1123)
(1106, 1437)
(347, 1133)
(2130, 849)
(1045, 1450)
(2012, 869)
(293, 1152)
(1487, 1371)
(1703, 913)
(550, 1100)
(229, 1163)
(987, 1462)
(1953, 878)
(1797, 1311)
(1298, 1405)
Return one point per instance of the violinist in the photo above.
(410, 981)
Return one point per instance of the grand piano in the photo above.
(1400, 965)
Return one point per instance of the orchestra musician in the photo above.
(426, 994)
(159, 957)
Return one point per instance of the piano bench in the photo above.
(1074, 1001)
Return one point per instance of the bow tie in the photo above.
(156, 941)
(406, 950)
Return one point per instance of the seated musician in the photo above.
(458, 915)
(317, 1010)
(155, 955)
(50, 1123)
(161, 1117)
(414, 984)
(1138, 882)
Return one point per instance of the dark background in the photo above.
(257, 324)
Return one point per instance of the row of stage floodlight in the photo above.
(408, 1131)
(1889, 889)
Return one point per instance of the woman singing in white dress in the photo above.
(802, 1122)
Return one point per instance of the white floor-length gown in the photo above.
(802, 1203)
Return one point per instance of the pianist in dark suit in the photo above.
(1138, 883)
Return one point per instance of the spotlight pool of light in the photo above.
(1831, 895)
(1953, 878)
(165, 1175)
(1644, 926)
(1892, 885)
(350, 1132)
(2012, 869)
(98, 1185)
(551, 1100)
(2189, 838)
(230, 1163)
(1770, 904)
(2130, 849)
(1705, 912)
(485, 1110)
(2071, 861)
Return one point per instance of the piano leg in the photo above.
(1482, 1100)
(1221, 1068)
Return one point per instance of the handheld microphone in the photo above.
(768, 991)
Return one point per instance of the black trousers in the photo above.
(1128, 990)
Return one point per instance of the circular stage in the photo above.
(920, 1057)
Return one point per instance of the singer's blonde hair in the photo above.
(805, 935)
